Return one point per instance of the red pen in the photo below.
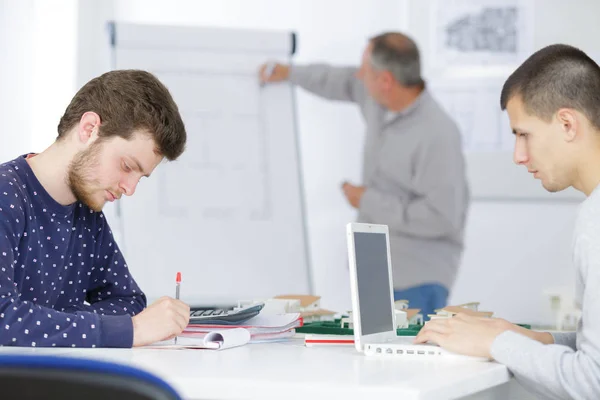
(177, 284)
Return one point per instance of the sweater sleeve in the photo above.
(565, 338)
(570, 368)
(551, 371)
(113, 290)
(24, 323)
(333, 83)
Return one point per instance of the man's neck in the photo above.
(402, 98)
(50, 168)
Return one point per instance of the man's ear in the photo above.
(89, 124)
(387, 79)
(569, 122)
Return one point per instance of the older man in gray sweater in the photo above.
(413, 174)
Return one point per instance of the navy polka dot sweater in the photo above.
(63, 279)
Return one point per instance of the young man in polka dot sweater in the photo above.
(63, 280)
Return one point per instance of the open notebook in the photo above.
(216, 340)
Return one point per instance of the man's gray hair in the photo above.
(398, 54)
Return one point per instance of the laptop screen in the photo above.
(373, 282)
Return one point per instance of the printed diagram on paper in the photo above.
(481, 32)
(475, 106)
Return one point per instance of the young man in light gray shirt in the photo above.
(413, 174)
(553, 102)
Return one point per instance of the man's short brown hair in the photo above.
(554, 77)
(128, 101)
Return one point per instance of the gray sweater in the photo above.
(570, 368)
(414, 174)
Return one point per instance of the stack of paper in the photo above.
(262, 328)
(267, 327)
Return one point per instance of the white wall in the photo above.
(514, 250)
(16, 61)
(54, 64)
(330, 134)
(37, 67)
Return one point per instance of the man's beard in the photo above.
(80, 173)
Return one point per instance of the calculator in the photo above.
(220, 316)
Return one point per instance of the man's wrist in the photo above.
(544, 337)
(135, 331)
(286, 72)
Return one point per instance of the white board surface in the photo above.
(229, 212)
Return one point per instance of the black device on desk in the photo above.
(221, 316)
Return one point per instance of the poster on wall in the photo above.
(481, 32)
(474, 104)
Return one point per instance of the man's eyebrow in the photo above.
(139, 167)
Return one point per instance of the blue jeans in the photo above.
(426, 297)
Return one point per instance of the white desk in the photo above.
(291, 371)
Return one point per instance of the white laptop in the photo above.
(373, 298)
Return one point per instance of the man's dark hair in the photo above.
(557, 76)
(399, 54)
(128, 101)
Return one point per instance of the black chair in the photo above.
(28, 377)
